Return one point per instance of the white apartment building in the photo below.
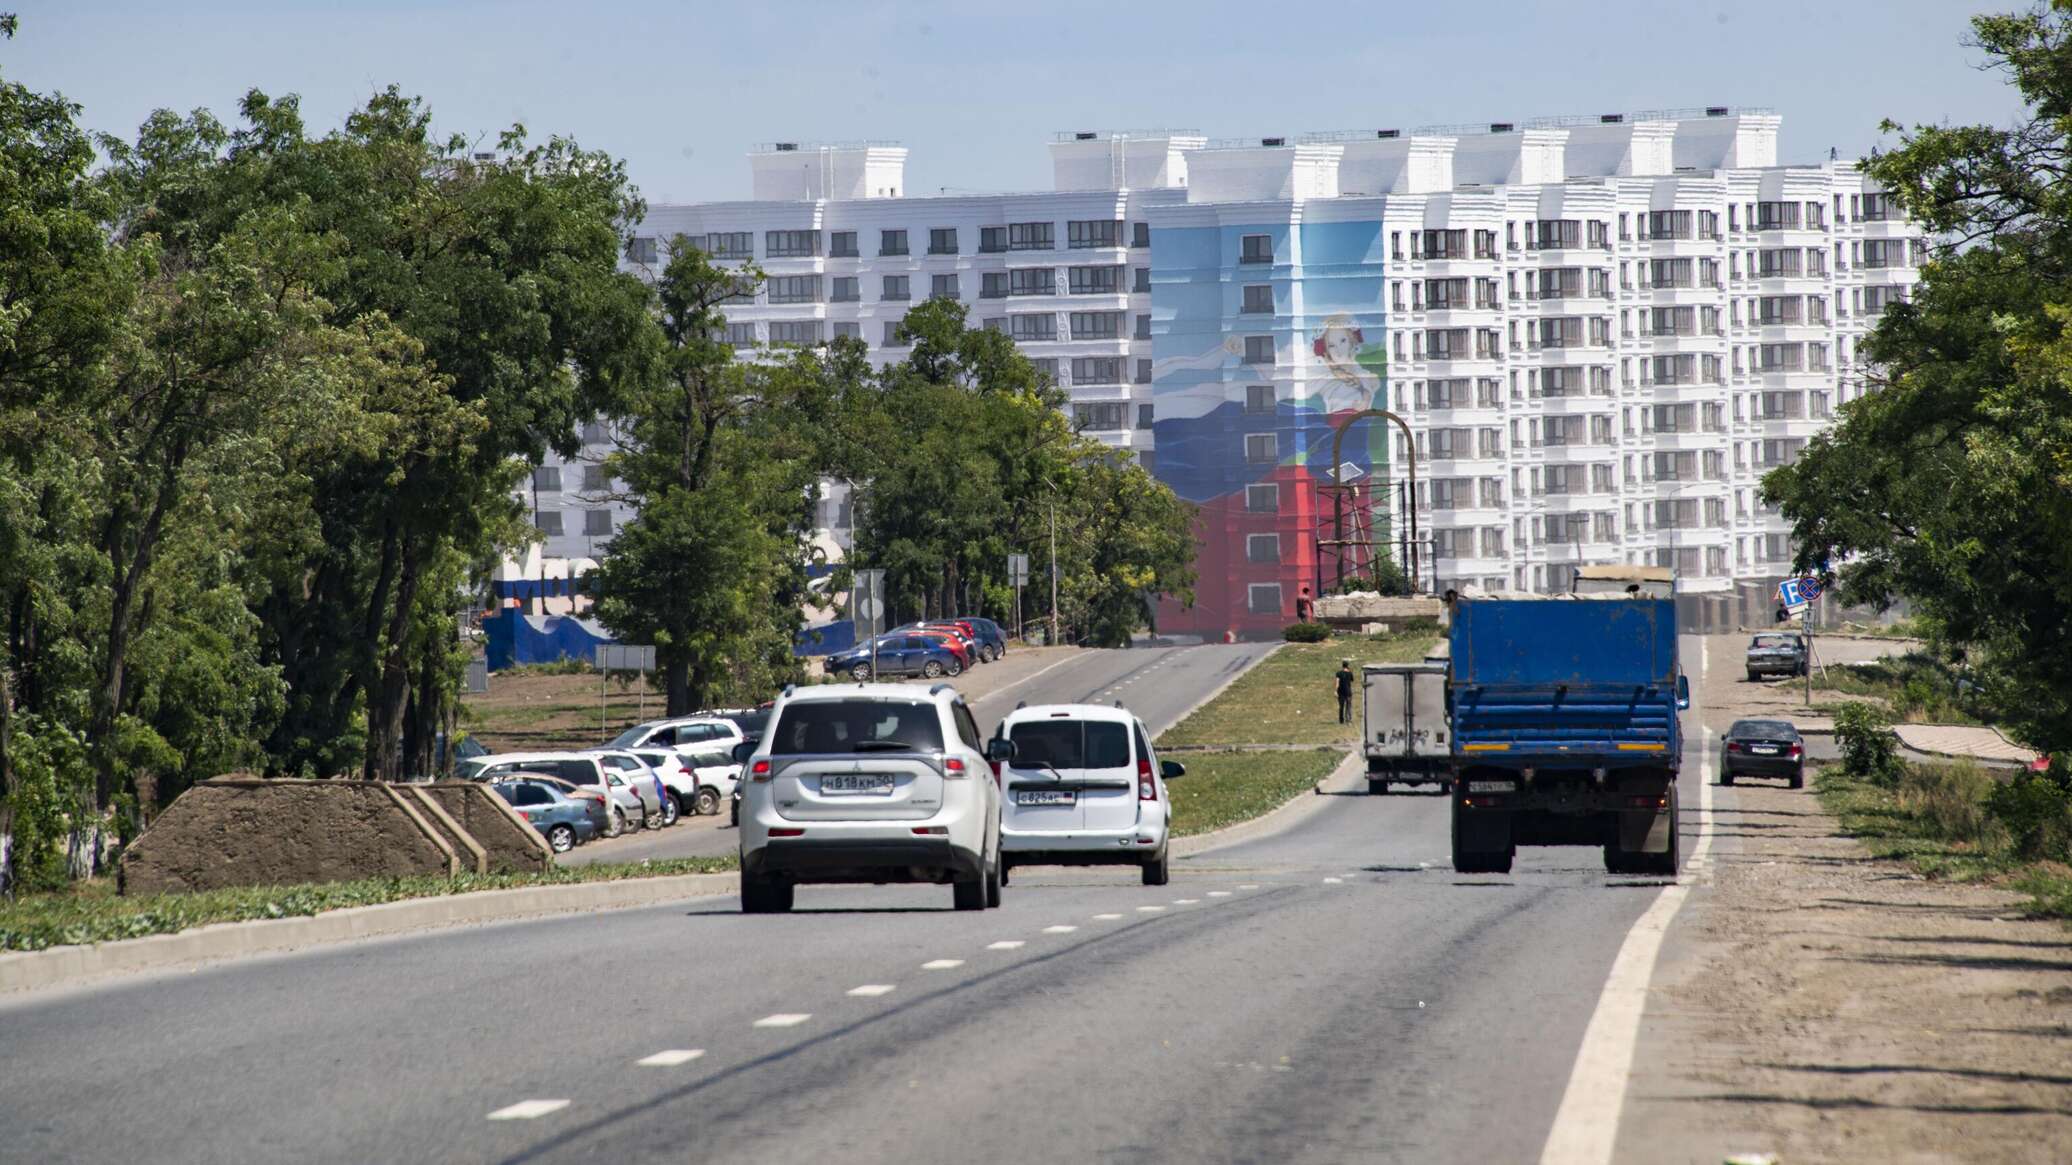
(1599, 332)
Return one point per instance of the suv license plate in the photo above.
(866, 784)
(1045, 797)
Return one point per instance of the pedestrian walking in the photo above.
(1305, 607)
(1345, 691)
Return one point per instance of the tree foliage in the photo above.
(1950, 484)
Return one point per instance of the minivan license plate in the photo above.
(1045, 797)
(879, 784)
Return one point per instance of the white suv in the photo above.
(869, 783)
(684, 734)
(1082, 787)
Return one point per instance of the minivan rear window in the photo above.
(1071, 744)
(833, 726)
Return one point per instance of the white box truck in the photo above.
(1404, 729)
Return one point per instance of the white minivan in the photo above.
(1080, 785)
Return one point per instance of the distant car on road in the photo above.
(1776, 653)
(1763, 748)
(898, 655)
(875, 783)
(563, 816)
(1082, 787)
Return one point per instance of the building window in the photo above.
(1262, 548)
(895, 334)
(844, 289)
(892, 243)
(731, 245)
(943, 286)
(1263, 499)
(1094, 280)
(849, 328)
(597, 522)
(1031, 236)
(1033, 327)
(841, 244)
(1140, 234)
(641, 249)
(791, 244)
(1258, 298)
(1144, 415)
(1046, 368)
(595, 433)
(1095, 233)
(1031, 281)
(741, 335)
(896, 288)
(795, 332)
(1096, 325)
(992, 285)
(1256, 249)
(546, 479)
(1144, 370)
(1143, 331)
(1098, 416)
(1097, 370)
(1264, 598)
(992, 240)
(794, 288)
(1258, 349)
(595, 479)
(1260, 448)
(549, 522)
(942, 241)
(1259, 398)
(1143, 280)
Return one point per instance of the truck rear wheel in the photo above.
(1377, 786)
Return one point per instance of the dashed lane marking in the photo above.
(1249, 886)
(784, 1019)
(1219, 893)
(1006, 944)
(1106, 917)
(1149, 909)
(1334, 881)
(526, 1110)
(1060, 929)
(941, 964)
(871, 990)
(670, 1058)
(1185, 901)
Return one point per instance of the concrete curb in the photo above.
(1350, 775)
(73, 966)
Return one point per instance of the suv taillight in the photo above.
(1147, 789)
(953, 769)
(760, 770)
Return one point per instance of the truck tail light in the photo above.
(1649, 801)
(1147, 788)
(759, 771)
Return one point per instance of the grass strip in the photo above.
(1290, 697)
(1931, 822)
(92, 912)
(1224, 788)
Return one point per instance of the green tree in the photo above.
(1949, 484)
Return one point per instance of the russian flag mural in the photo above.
(1247, 404)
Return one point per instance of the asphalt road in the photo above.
(1160, 684)
(1329, 992)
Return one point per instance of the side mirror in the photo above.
(1000, 750)
(1683, 692)
(1170, 769)
(743, 751)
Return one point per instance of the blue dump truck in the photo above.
(1564, 718)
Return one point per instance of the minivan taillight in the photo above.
(1147, 789)
(760, 770)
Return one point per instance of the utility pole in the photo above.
(1053, 567)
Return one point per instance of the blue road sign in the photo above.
(1793, 592)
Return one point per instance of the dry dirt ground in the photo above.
(1819, 1005)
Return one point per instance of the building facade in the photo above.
(1593, 336)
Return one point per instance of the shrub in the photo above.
(2037, 815)
(1949, 798)
(1305, 633)
(1864, 733)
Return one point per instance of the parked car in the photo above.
(990, 636)
(958, 632)
(734, 802)
(584, 770)
(1082, 786)
(872, 784)
(708, 729)
(1763, 748)
(700, 781)
(984, 648)
(1776, 653)
(961, 646)
(750, 721)
(563, 816)
(660, 810)
(898, 655)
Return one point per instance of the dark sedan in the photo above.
(898, 655)
(1763, 748)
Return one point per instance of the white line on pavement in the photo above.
(1249, 886)
(784, 1019)
(1334, 881)
(1219, 893)
(941, 964)
(1586, 1127)
(670, 1058)
(1006, 944)
(526, 1110)
(1060, 929)
(1185, 901)
(1106, 917)
(1149, 909)
(871, 989)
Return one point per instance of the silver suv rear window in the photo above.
(837, 726)
(1071, 744)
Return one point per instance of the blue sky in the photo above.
(975, 89)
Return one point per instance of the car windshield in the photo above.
(1071, 744)
(1761, 728)
(628, 738)
(1776, 641)
(835, 726)
(471, 769)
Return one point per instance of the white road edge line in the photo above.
(1003, 690)
(1586, 1127)
(941, 964)
(871, 990)
(670, 1058)
(784, 1019)
(526, 1110)
(1006, 944)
